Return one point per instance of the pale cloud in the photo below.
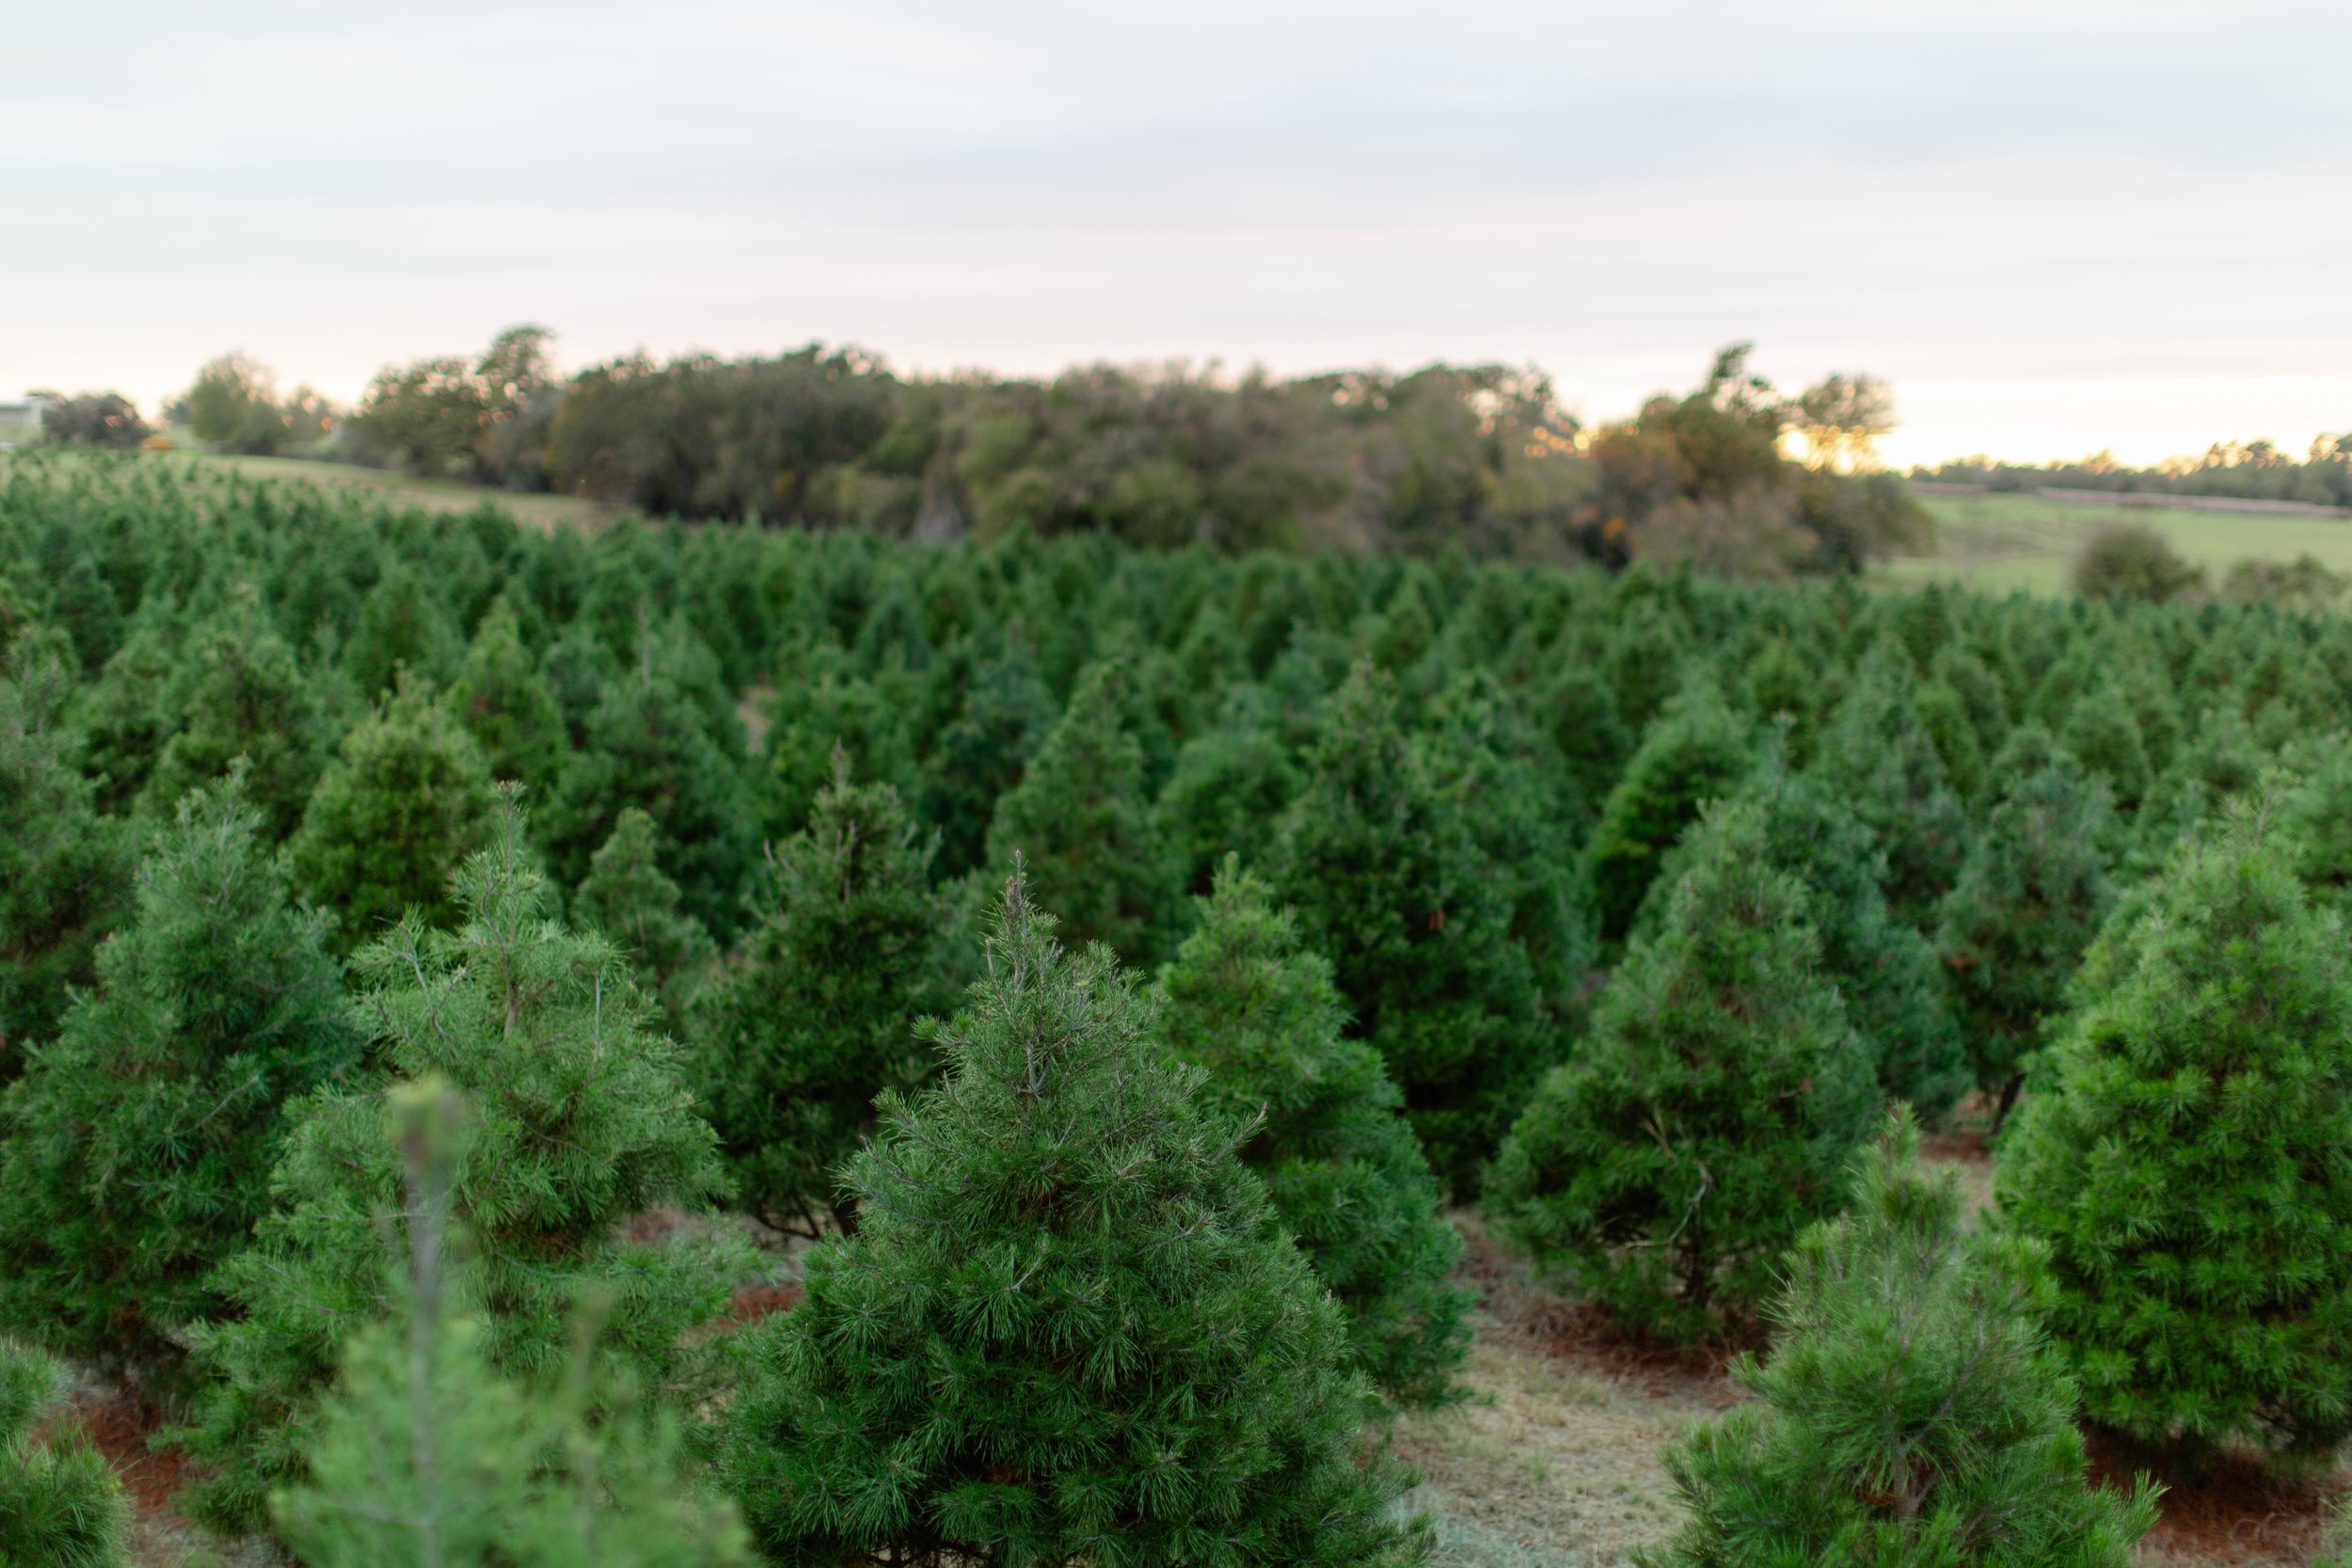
(2054, 226)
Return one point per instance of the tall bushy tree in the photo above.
(1081, 820)
(1876, 756)
(2187, 1165)
(628, 899)
(1883, 969)
(501, 698)
(1705, 1122)
(65, 871)
(1913, 1410)
(817, 1018)
(1226, 796)
(407, 799)
(1320, 1124)
(995, 724)
(403, 625)
(135, 1152)
(1693, 753)
(1389, 885)
(60, 1505)
(243, 695)
(1069, 1328)
(428, 1456)
(2033, 893)
(580, 1121)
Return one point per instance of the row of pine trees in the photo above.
(1121, 961)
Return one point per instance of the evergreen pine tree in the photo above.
(65, 871)
(2031, 895)
(579, 1122)
(1884, 970)
(1705, 1123)
(407, 799)
(1081, 820)
(135, 1152)
(1227, 795)
(2187, 1165)
(243, 695)
(1390, 887)
(1912, 1412)
(2316, 810)
(824, 705)
(501, 698)
(1693, 753)
(427, 1455)
(817, 1017)
(647, 746)
(1320, 1124)
(403, 625)
(60, 1505)
(628, 899)
(1876, 756)
(1000, 720)
(1068, 1328)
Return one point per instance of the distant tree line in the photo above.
(2249, 470)
(1479, 456)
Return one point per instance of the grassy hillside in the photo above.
(1999, 541)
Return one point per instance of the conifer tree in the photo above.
(1081, 820)
(1913, 1410)
(244, 696)
(2316, 810)
(824, 704)
(817, 1017)
(1067, 1330)
(2187, 1167)
(60, 1505)
(629, 899)
(407, 799)
(1693, 753)
(2031, 895)
(65, 871)
(1319, 1116)
(1707, 1120)
(402, 624)
(1390, 887)
(1226, 796)
(1884, 970)
(1876, 756)
(579, 1122)
(997, 724)
(427, 1455)
(135, 1152)
(501, 698)
(647, 746)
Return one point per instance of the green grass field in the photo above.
(1997, 543)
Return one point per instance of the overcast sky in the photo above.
(2054, 226)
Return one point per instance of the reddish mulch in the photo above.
(754, 1302)
(2233, 1513)
(120, 1424)
(1966, 1145)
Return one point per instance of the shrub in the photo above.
(579, 1123)
(2187, 1167)
(818, 1016)
(1067, 1327)
(1912, 1412)
(135, 1152)
(60, 1506)
(2134, 561)
(1318, 1119)
(1665, 1170)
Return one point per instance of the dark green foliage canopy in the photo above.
(2186, 1164)
(1694, 753)
(135, 1152)
(240, 693)
(60, 1506)
(1390, 885)
(1665, 1170)
(579, 1122)
(629, 899)
(1067, 1329)
(1879, 759)
(407, 799)
(2033, 893)
(1912, 1411)
(1320, 1124)
(817, 1018)
(503, 700)
(1081, 820)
